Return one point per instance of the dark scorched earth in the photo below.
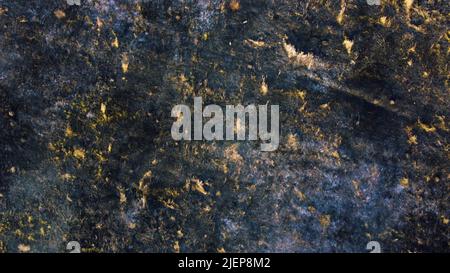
(86, 154)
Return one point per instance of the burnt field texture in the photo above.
(86, 153)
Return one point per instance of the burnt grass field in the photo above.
(86, 154)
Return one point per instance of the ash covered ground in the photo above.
(86, 93)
